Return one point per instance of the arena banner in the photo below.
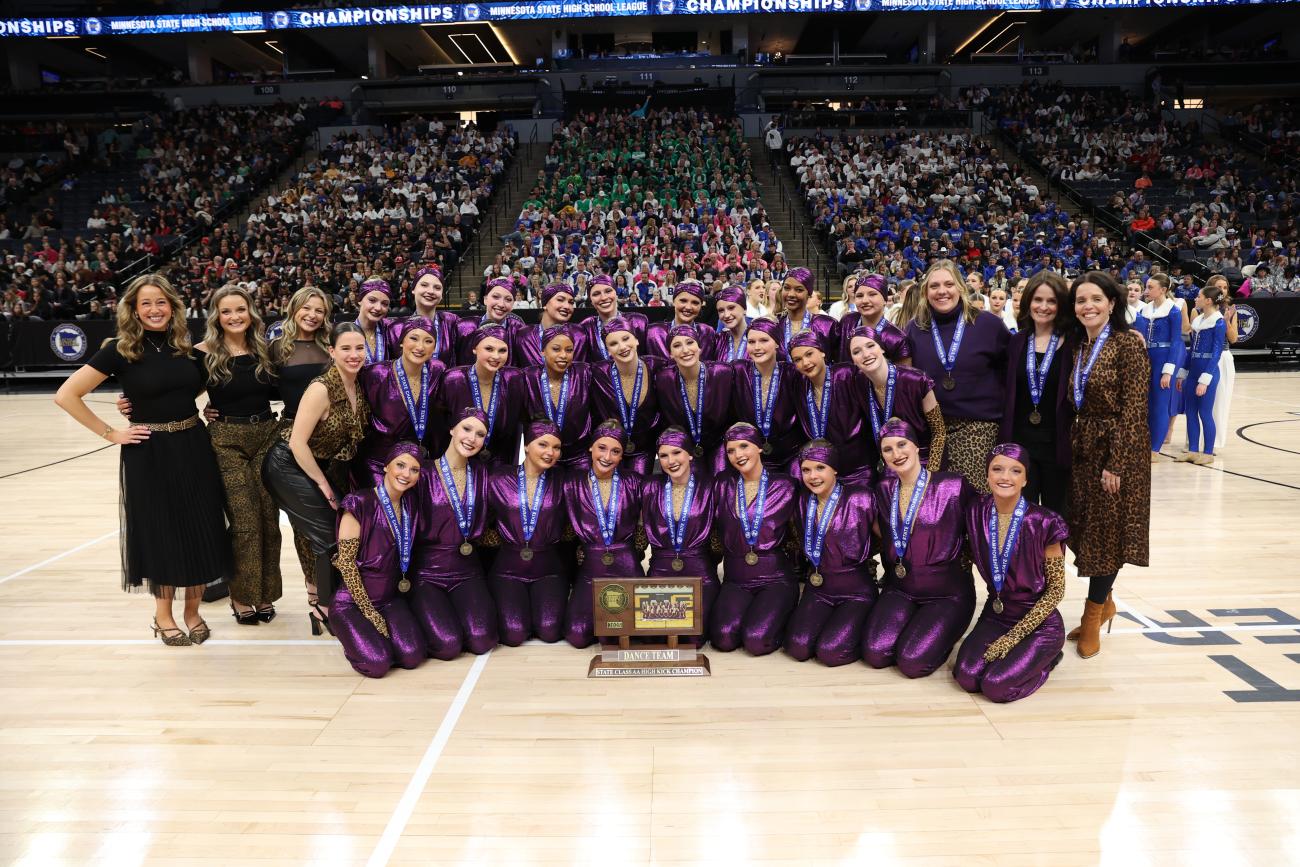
(524, 10)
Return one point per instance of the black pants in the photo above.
(309, 512)
(1049, 482)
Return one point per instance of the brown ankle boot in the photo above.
(1107, 614)
(1090, 629)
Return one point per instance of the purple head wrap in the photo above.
(690, 288)
(865, 331)
(470, 412)
(611, 429)
(553, 289)
(734, 294)
(483, 332)
(899, 428)
(875, 281)
(743, 431)
(502, 283)
(807, 337)
(376, 284)
(561, 330)
(821, 451)
(600, 280)
(540, 427)
(890, 341)
(683, 331)
(429, 269)
(415, 323)
(618, 323)
(768, 326)
(403, 448)
(1015, 451)
(677, 438)
(801, 275)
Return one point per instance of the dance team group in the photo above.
(791, 451)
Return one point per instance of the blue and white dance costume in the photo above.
(1209, 336)
(1162, 326)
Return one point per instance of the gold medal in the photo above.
(815, 579)
(900, 570)
(678, 564)
(699, 451)
(949, 383)
(466, 549)
(403, 586)
(1035, 417)
(767, 448)
(998, 607)
(525, 553)
(751, 558)
(607, 558)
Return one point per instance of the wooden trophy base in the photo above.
(648, 659)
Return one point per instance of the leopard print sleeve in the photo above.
(346, 562)
(1046, 604)
(938, 434)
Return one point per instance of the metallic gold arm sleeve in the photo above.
(938, 435)
(346, 562)
(1045, 605)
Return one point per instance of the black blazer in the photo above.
(1064, 408)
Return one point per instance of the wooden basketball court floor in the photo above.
(1177, 745)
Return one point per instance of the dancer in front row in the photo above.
(929, 595)
(449, 595)
(369, 613)
(753, 509)
(837, 520)
(1017, 545)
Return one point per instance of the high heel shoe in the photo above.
(200, 633)
(244, 618)
(179, 639)
(1089, 643)
(320, 618)
(1107, 615)
(267, 614)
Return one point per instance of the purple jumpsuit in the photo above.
(594, 340)
(725, 349)
(446, 324)
(829, 620)
(892, 339)
(716, 411)
(530, 593)
(786, 436)
(824, 326)
(449, 595)
(1025, 668)
(464, 335)
(502, 445)
(695, 555)
(391, 421)
(526, 345)
(576, 424)
(847, 427)
(641, 422)
(910, 388)
(918, 618)
(368, 651)
(578, 625)
(755, 600)
(657, 341)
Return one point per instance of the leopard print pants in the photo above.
(968, 443)
(254, 518)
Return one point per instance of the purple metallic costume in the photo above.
(605, 403)
(716, 410)
(891, 338)
(848, 427)
(577, 423)
(502, 445)
(593, 328)
(391, 421)
(910, 388)
(657, 341)
(695, 555)
(579, 502)
(786, 433)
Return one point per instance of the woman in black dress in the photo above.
(173, 528)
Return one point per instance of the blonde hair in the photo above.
(922, 315)
(911, 299)
(848, 287)
(217, 357)
(130, 331)
(283, 346)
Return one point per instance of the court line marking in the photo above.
(57, 557)
(129, 642)
(415, 788)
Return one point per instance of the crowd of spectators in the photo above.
(649, 198)
(893, 203)
(368, 204)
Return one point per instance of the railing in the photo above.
(793, 209)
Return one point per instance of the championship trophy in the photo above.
(648, 627)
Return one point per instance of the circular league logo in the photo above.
(471, 12)
(94, 27)
(1247, 322)
(613, 599)
(280, 20)
(665, 7)
(68, 342)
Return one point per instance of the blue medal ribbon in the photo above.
(463, 507)
(819, 416)
(738, 353)
(600, 337)
(814, 531)
(403, 532)
(764, 404)
(491, 410)
(948, 358)
(627, 411)
(417, 411)
(751, 530)
(1038, 378)
(882, 414)
(677, 526)
(606, 516)
(900, 524)
(555, 412)
(1082, 371)
(530, 511)
(379, 353)
(694, 415)
(807, 321)
(1000, 560)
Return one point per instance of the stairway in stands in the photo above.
(496, 221)
(789, 218)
